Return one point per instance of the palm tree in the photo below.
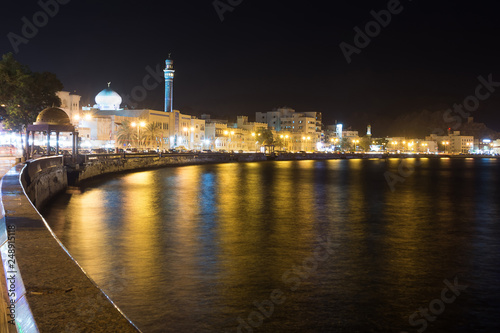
(152, 134)
(126, 133)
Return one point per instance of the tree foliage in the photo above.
(152, 135)
(126, 134)
(264, 136)
(25, 93)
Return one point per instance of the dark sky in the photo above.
(267, 54)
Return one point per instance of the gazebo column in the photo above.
(57, 142)
(75, 145)
(48, 142)
(32, 143)
(27, 145)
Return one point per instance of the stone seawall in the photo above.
(47, 289)
(43, 179)
(98, 165)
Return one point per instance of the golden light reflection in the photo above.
(184, 229)
(140, 221)
(292, 215)
(89, 233)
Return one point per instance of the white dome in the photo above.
(108, 100)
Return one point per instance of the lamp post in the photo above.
(410, 146)
(355, 144)
(256, 136)
(394, 143)
(470, 147)
(186, 135)
(445, 143)
(191, 138)
(229, 135)
(138, 125)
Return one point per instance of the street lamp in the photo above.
(141, 124)
(355, 144)
(445, 143)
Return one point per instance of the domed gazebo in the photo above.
(48, 121)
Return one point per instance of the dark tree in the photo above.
(25, 93)
(265, 136)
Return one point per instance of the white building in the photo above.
(305, 128)
(70, 103)
(453, 143)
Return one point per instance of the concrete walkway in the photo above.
(62, 298)
(6, 163)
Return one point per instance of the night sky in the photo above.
(267, 54)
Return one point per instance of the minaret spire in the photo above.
(169, 83)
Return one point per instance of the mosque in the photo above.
(99, 125)
(102, 124)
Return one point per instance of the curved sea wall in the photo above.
(97, 165)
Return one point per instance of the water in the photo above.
(195, 248)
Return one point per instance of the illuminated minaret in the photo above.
(169, 84)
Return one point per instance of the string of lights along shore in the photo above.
(112, 125)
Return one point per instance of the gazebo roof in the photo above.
(52, 119)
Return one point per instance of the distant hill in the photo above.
(420, 124)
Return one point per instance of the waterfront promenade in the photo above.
(6, 164)
(52, 292)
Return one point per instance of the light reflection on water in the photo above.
(190, 249)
